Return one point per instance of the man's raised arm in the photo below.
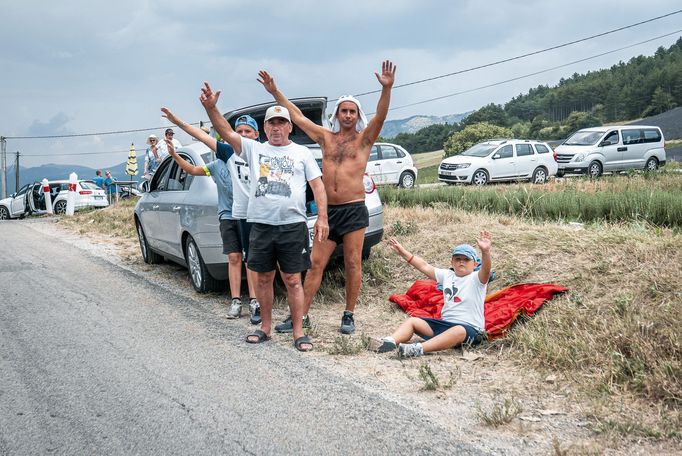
(386, 79)
(314, 131)
(209, 99)
(191, 130)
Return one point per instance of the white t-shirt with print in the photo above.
(463, 298)
(239, 170)
(278, 176)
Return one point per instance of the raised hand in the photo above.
(267, 81)
(171, 147)
(208, 97)
(387, 76)
(396, 246)
(170, 116)
(484, 241)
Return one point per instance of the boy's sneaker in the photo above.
(287, 325)
(235, 308)
(347, 323)
(410, 350)
(254, 307)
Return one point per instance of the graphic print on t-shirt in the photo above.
(448, 293)
(274, 176)
(242, 171)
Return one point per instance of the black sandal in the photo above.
(298, 343)
(261, 337)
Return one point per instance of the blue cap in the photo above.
(469, 252)
(246, 120)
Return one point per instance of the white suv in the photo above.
(391, 164)
(500, 160)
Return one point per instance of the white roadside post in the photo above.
(48, 196)
(71, 197)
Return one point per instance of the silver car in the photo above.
(177, 216)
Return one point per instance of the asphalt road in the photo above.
(96, 360)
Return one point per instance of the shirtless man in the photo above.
(346, 150)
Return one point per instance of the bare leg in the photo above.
(265, 296)
(234, 273)
(251, 282)
(319, 259)
(448, 339)
(295, 296)
(352, 259)
(409, 327)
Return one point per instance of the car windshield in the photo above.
(480, 150)
(584, 138)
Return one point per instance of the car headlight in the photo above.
(579, 157)
(462, 165)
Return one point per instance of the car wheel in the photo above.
(201, 279)
(559, 174)
(594, 170)
(539, 176)
(406, 180)
(148, 255)
(651, 164)
(4, 213)
(480, 177)
(366, 252)
(60, 207)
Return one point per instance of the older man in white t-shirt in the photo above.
(279, 171)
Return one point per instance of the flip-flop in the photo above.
(261, 337)
(298, 343)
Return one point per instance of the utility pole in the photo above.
(16, 169)
(3, 165)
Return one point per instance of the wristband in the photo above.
(410, 260)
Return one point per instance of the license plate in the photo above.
(98, 197)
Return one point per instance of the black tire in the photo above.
(366, 252)
(594, 170)
(148, 255)
(540, 176)
(651, 164)
(480, 177)
(60, 207)
(4, 213)
(559, 174)
(406, 180)
(201, 279)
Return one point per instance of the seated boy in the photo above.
(464, 288)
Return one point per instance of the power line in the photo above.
(531, 74)
(498, 62)
(82, 153)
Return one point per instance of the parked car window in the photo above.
(479, 150)
(388, 152)
(583, 138)
(523, 150)
(505, 151)
(401, 153)
(160, 179)
(374, 154)
(631, 136)
(611, 138)
(89, 185)
(541, 149)
(651, 135)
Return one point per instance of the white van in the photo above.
(594, 150)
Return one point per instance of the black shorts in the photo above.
(245, 230)
(288, 245)
(346, 218)
(473, 337)
(229, 231)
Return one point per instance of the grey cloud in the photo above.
(55, 126)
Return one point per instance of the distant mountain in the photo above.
(670, 123)
(416, 123)
(54, 171)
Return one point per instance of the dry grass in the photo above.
(614, 338)
(427, 159)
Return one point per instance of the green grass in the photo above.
(428, 175)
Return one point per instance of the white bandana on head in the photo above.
(362, 120)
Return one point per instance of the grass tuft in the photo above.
(500, 413)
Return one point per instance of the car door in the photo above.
(635, 147)
(502, 165)
(149, 206)
(18, 205)
(391, 164)
(374, 165)
(612, 150)
(526, 160)
(170, 203)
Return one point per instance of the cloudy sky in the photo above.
(75, 67)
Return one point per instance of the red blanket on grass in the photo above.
(501, 309)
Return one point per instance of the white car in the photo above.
(594, 150)
(30, 198)
(500, 160)
(391, 164)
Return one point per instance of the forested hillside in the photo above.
(644, 86)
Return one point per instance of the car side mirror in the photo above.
(144, 186)
(13, 195)
(496, 156)
(606, 142)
